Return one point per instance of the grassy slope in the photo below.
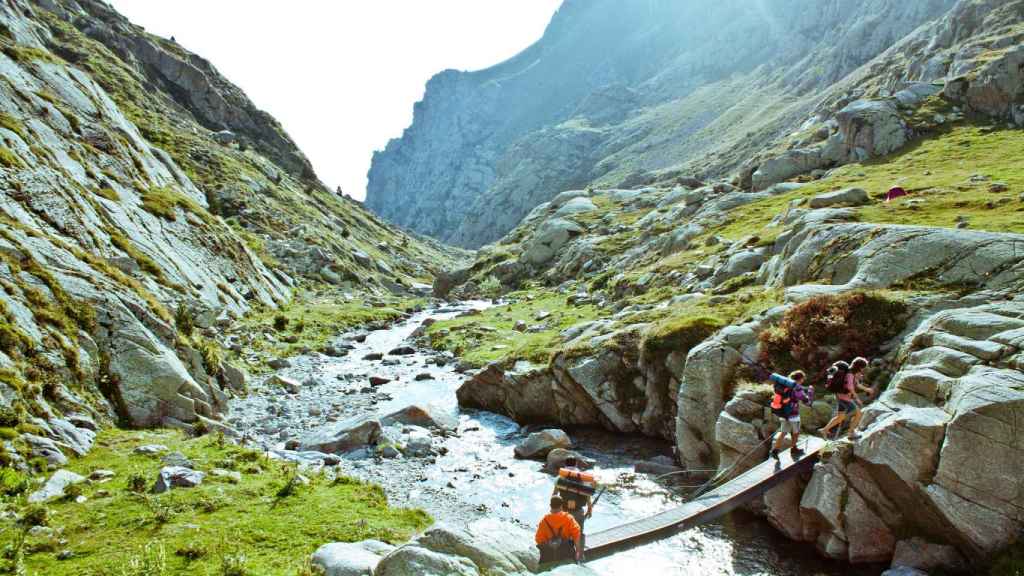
(216, 521)
(936, 170)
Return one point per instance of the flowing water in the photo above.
(475, 476)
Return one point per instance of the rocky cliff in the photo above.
(623, 93)
(144, 194)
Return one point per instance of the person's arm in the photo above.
(539, 537)
(590, 507)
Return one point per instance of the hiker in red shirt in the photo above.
(558, 535)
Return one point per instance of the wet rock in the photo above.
(373, 356)
(177, 477)
(55, 485)
(278, 381)
(539, 444)
(343, 436)
(556, 459)
(279, 363)
(378, 381)
(350, 559)
(429, 416)
(423, 376)
(657, 466)
(402, 351)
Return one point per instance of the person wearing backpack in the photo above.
(558, 535)
(845, 380)
(789, 392)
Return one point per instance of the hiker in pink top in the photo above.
(848, 404)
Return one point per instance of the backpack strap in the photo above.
(552, 530)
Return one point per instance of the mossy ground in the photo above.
(198, 528)
(491, 335)
(313, 318)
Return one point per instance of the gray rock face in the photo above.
(939, 456)
(413, 560)
(871, 129)
(844, 197)
(177, 477)
(55, 485)
(350, 559)
(550, 237)
(532, 127)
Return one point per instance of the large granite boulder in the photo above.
(345, 436)
(350, 559)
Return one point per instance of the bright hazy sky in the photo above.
(342, 75)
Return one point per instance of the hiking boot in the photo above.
(775, 453)
(796, 453)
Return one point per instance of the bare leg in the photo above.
(855, 421)
(836, 421)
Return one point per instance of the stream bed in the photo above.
(473, 475)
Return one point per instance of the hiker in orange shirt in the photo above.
(558, 535)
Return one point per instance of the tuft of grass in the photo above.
(8, 159)
(13, 124)
(270, 533)
(28, 54)
(108, 193)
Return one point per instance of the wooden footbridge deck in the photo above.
(706, 507)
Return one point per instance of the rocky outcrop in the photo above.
(559, 116)
(484, 547)
(938, 455)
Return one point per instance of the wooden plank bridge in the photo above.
(706, 507)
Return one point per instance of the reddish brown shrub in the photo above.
(814, 333)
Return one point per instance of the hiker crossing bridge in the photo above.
(708, 506)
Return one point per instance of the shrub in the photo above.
(490, 287)
(13, 483)
(200, 428)
(814, 333)
(184, 320)
(280, 322)
(34, 515)
(72, 492)
(9, 417)
(137, 483)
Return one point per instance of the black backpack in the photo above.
(836, 382)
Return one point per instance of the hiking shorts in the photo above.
(791, 424)
(846, 407)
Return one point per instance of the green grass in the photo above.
(312, 319)
(108, 193)
(163, 201)
(198, 528)
(9, 159)
(13, 124)
(491, 335)
(935, 170)
(26, 54)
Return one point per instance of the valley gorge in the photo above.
(210, 362)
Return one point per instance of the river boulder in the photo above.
(345, 436)
(539, 444)
(350, 558)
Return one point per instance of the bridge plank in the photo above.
(715, 503)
